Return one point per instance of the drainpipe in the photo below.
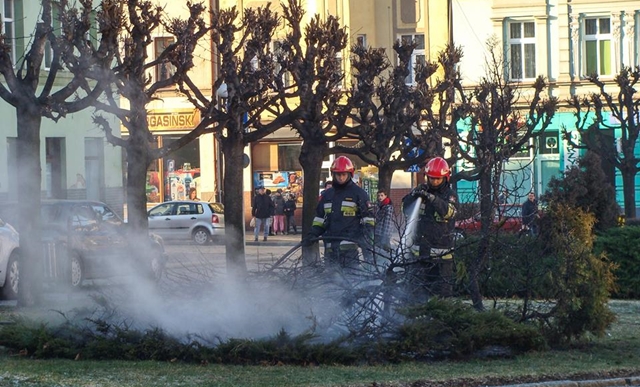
(215, 70)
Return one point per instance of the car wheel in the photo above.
(201, 236)
(157, 265)
(10, 288)
(77, 271)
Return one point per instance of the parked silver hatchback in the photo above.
(199, 221)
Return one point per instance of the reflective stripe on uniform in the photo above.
(343, 245)
(451, 212)
(441, 253)
(348, 208)
(317, 221)
(327, 208)
(369, 221)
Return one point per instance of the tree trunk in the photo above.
(385, 174)
(29, 189)
(138, 160)
(311, 157)
(486, 215)
(629, 192)
(233, 151)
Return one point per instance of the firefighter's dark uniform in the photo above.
(432, 273)
(343, 211)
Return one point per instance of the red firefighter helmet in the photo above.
(437, 167)
(342, 164)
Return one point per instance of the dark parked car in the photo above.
(86, 240)
(508, 217)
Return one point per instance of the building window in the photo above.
(417, 57)
(597, 46)
(277, 56)
(164, 70)
(522, 50)
(361, 40)
(548, 143)
(93, 168)
(9, 26)
(55, 21)
(55, 174)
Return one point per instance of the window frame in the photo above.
(10, 21)
(417, 52)
(522, 42)
(361, 40)
(287, 78)
(157, 53)
(598, 38)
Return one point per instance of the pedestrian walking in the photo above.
(278, 213)
(289, 212)
(261, 210)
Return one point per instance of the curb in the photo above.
(617, 382)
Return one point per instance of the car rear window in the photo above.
(190, 209)
(216, 208)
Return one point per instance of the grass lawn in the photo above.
(616, 354)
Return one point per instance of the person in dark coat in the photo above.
(289, 212)
(262, 210)
(278, 212)
(530, 214)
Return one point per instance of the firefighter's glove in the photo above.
(423, 193)
(419, 192)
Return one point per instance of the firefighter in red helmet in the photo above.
(433, 272)
(343, 211)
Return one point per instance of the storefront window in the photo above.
(288, 157)
(171, 178)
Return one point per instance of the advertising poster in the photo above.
(290, 182)
(178, 182)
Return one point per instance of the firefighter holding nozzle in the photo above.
(432, 271)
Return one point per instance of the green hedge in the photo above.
(622, 247)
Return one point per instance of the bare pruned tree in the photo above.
(128, 78)
(600, 113)
(313, 60)
(399, 124)
(35, 93)
(249, 88)
(499, 123)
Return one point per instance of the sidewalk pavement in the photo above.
(276, 240)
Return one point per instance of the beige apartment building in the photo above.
(370, 23)
(564, 40)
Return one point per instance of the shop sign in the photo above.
(159, 120)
